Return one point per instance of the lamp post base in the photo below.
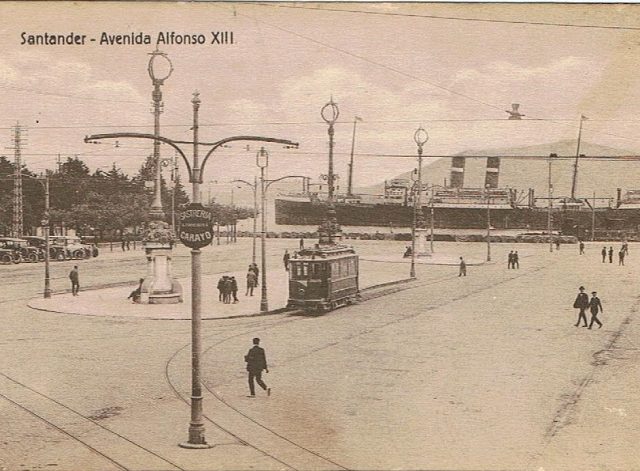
(196, 437)
(195, 446)
(421, 243)
(159, 287)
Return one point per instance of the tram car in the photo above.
(323, 278)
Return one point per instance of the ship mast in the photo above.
(575, 165)
(353, 144)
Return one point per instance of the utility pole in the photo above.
(174, 179)
(353, 145)
(593, 218)
(550, 204)
(488, 189)
(574, 183)
(46, 222)
(17, 223)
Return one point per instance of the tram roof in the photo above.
(324, 252)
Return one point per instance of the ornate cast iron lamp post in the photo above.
(420, 137)
(329, 230)
(159, 287)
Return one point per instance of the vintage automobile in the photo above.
(90, 241)
(6, 256)
(38, 243)
(70, 247)
(20, 248)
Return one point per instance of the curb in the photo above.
(366, 291)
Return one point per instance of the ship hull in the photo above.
(576, 222)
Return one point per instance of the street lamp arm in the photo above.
(245, 182)
(281, 178)
(222, 142)
(96, 137)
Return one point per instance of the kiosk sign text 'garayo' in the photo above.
(196, 226)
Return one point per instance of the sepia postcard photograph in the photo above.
(319, 236)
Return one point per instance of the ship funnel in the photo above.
(493, 171)
(457, 172)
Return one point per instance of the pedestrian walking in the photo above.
(301, 243)
(581, 248)
(621, 257)
(516, 260)
(557, 244)
(256, 270)
(221, 288)
(124, 243)
(595, 306)
(256, 362)
(463, 268)
(610, 254)
(510, 260)
(582, 303)
(625, 247)
(226, 290)
(251, 283)
(604, 254)
(285, 259)
(74, 276)
(234, 289)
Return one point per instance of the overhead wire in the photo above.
(393, 69)
(450, 18)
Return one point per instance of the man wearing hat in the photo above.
(582, 303)
(596, 306)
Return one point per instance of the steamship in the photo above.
(455, 206)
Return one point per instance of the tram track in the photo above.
(372, 295)
(47, 402)
(255, 326)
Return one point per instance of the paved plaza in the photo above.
(484, 372)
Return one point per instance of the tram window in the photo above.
(316, 269)
(300, 270)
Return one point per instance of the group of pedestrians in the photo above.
(228, 289)
(622, 253)
(514, 260)
(582, 303)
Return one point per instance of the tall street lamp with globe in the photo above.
(159, 287)
(329, 230)
(420, 137)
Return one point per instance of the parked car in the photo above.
(39, 243)
(20, 248)
(91, 242)
(69, 247)
(6, 256)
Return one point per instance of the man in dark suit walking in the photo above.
(596, 306)
(582, 303)
(256, 362)
(604, 254)
(75, 280)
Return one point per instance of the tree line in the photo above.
(105, 204)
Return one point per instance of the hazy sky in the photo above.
(395, 69)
